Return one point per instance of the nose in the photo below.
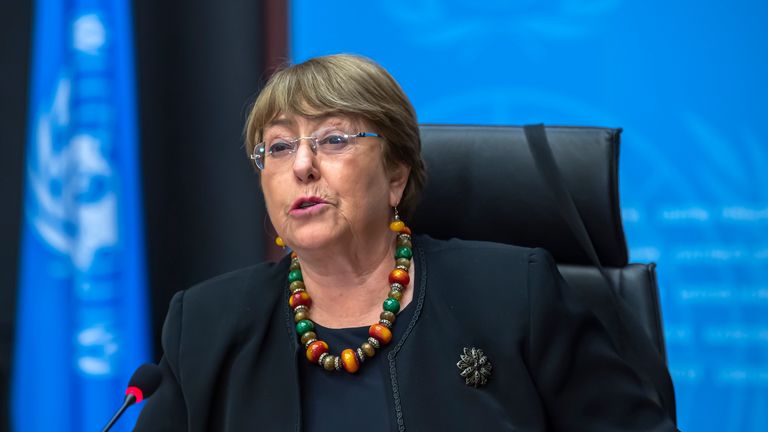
(305, 161)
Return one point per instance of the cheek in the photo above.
(271, 192)
(363, 188)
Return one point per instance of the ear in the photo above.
(398, 179)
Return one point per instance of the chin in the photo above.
(313, 238)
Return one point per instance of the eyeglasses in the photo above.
(328, 142)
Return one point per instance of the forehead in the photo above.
(294, 121)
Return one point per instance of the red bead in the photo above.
(399, 276)
(380, 333)
(315, 350)
(300, 298)
(349, 360)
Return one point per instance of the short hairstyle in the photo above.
(349, 85)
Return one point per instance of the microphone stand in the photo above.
(130, 399)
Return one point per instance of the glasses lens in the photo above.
(258, 155)
(280, 147)
(333, 141)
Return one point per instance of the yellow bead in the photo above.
(397, 226)
(349, 361)
(380, 333)
(315, 349)
(279, 241)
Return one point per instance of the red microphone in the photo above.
(142, 384)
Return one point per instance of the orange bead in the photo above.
(299, 298)
(396, 226)
(349, 360)
(399, 276)
(406, 230)
(380, 333)
(294, 255)
(315, 350)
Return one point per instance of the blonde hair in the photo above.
(349, 85)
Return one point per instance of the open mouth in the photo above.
(306, 202)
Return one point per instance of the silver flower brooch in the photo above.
(475, 367)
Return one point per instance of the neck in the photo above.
(348, 283)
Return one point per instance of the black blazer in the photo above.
(231, 352)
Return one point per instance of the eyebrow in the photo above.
(280, 122)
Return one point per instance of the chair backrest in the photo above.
(485, 178)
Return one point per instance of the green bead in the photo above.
(305, 325)
(403, 252)
(392, 305)
(295, 275)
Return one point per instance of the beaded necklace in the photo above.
(380, 333)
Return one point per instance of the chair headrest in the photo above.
(483, 184)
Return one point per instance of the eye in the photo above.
(334, 140)
(279, 147)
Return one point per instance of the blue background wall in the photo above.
(686, 81)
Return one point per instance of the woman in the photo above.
(365, 324)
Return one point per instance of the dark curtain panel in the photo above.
(199, 65)
(15, 43)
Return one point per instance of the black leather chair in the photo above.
(483, 184)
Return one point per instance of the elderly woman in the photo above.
(369, 326)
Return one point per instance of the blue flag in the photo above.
(81, 323)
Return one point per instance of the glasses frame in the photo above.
(259, 153)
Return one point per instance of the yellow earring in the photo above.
(279, 241)
(396, 225)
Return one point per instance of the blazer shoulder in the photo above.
(455, 264)
(235, 300)
(233, 286)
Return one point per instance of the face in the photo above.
(317, 200)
